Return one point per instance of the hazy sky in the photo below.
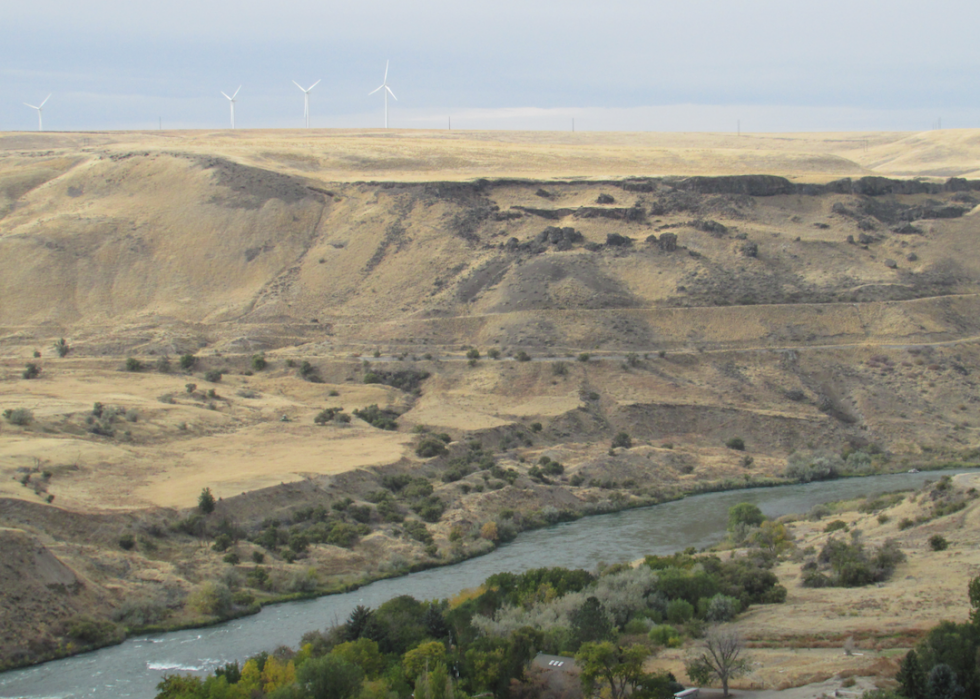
(697, 65)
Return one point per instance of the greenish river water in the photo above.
(133, 668)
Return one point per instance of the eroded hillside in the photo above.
(720, 321)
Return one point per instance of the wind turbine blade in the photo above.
(226, 96)
(386, 71)
(236, 93)
(45, 100)
(298, 85)
(315, 84)
(33, 107)
(391, 93)
(370, 93)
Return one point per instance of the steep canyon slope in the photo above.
(797, 292)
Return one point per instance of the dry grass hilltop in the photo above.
(489, 303)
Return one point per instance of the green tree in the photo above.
(62, 347)
(619, 669)
(622, 439)
(357, 622)
(330, 677)
(426, 658)
(211, 598)
(205, 501)
(912, 677)
(721, 657)
(772, 537)
(364, 653)
(744, 513)
(180, 687)
(942, 683)
(590, 622)
(974, 594)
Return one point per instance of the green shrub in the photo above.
(376, 417)
(344, 534)
(835, 526)
(745, 514)
(331, 415)
(206, 501)
(523, 356)
(816, 579)
(905, 523)
(736, 443)
(62, 347)
(418, 531)
(584, 357)
(89, 632)
(679, 611)
(213, 375)
(309, 373)
(937, 542)
(813, 466)
(665, 635)
(259, 362)
(719, 608)
(31, 371)
(622, 439)
(212, 599)
(232, 558)
(19, 416)
(133, 364)
(127, 541)
(536, 427)
(430, 446)
(187, 361)
(473, 353)
(493, 353)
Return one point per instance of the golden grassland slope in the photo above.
(683, 288)
(803, 641)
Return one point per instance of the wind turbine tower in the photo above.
(40, 124)
(232, 100)
(306, 100)
(387, 91)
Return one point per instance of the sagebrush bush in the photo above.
(622, 439)
(19, 416)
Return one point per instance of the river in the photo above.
(133, 668)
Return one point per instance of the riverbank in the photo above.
(697, 521)
(95, 633)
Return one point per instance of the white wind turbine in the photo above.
(40, 125)
(387, 91)
(306, 100)
(232, 100)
